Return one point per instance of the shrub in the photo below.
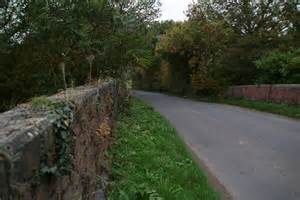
(279, 67)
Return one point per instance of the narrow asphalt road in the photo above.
(255, 155)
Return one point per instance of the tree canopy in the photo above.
(229, 43)
(88, 39)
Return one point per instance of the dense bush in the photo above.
(257, 28)
(279, 67)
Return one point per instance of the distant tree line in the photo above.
(227, 43)
(43, 40)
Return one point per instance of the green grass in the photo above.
(151, 162)
(292, 111)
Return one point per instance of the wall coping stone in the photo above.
(22, 124)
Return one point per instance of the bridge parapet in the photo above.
(288, 94)
(54, 149)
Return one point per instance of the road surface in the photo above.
(254, 155)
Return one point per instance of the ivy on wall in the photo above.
(61, 117)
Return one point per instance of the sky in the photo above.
(174, 9)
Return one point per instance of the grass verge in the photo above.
(151, 162)
(292, 111)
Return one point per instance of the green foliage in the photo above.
(247, 17)
(219, 44)
(194, 50)
(61, 162)
(258, 27)
(279, 67)
(149, 77)
(151, 162)
(91, 39)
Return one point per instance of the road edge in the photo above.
(212, 179)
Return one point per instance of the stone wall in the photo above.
(29, 147)
(288, 94)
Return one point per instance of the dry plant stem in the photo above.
(63, 69)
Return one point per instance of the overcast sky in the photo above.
(174, 9)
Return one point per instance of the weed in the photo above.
(151, 162)
(292, 111)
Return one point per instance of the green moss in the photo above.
(41, 103)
